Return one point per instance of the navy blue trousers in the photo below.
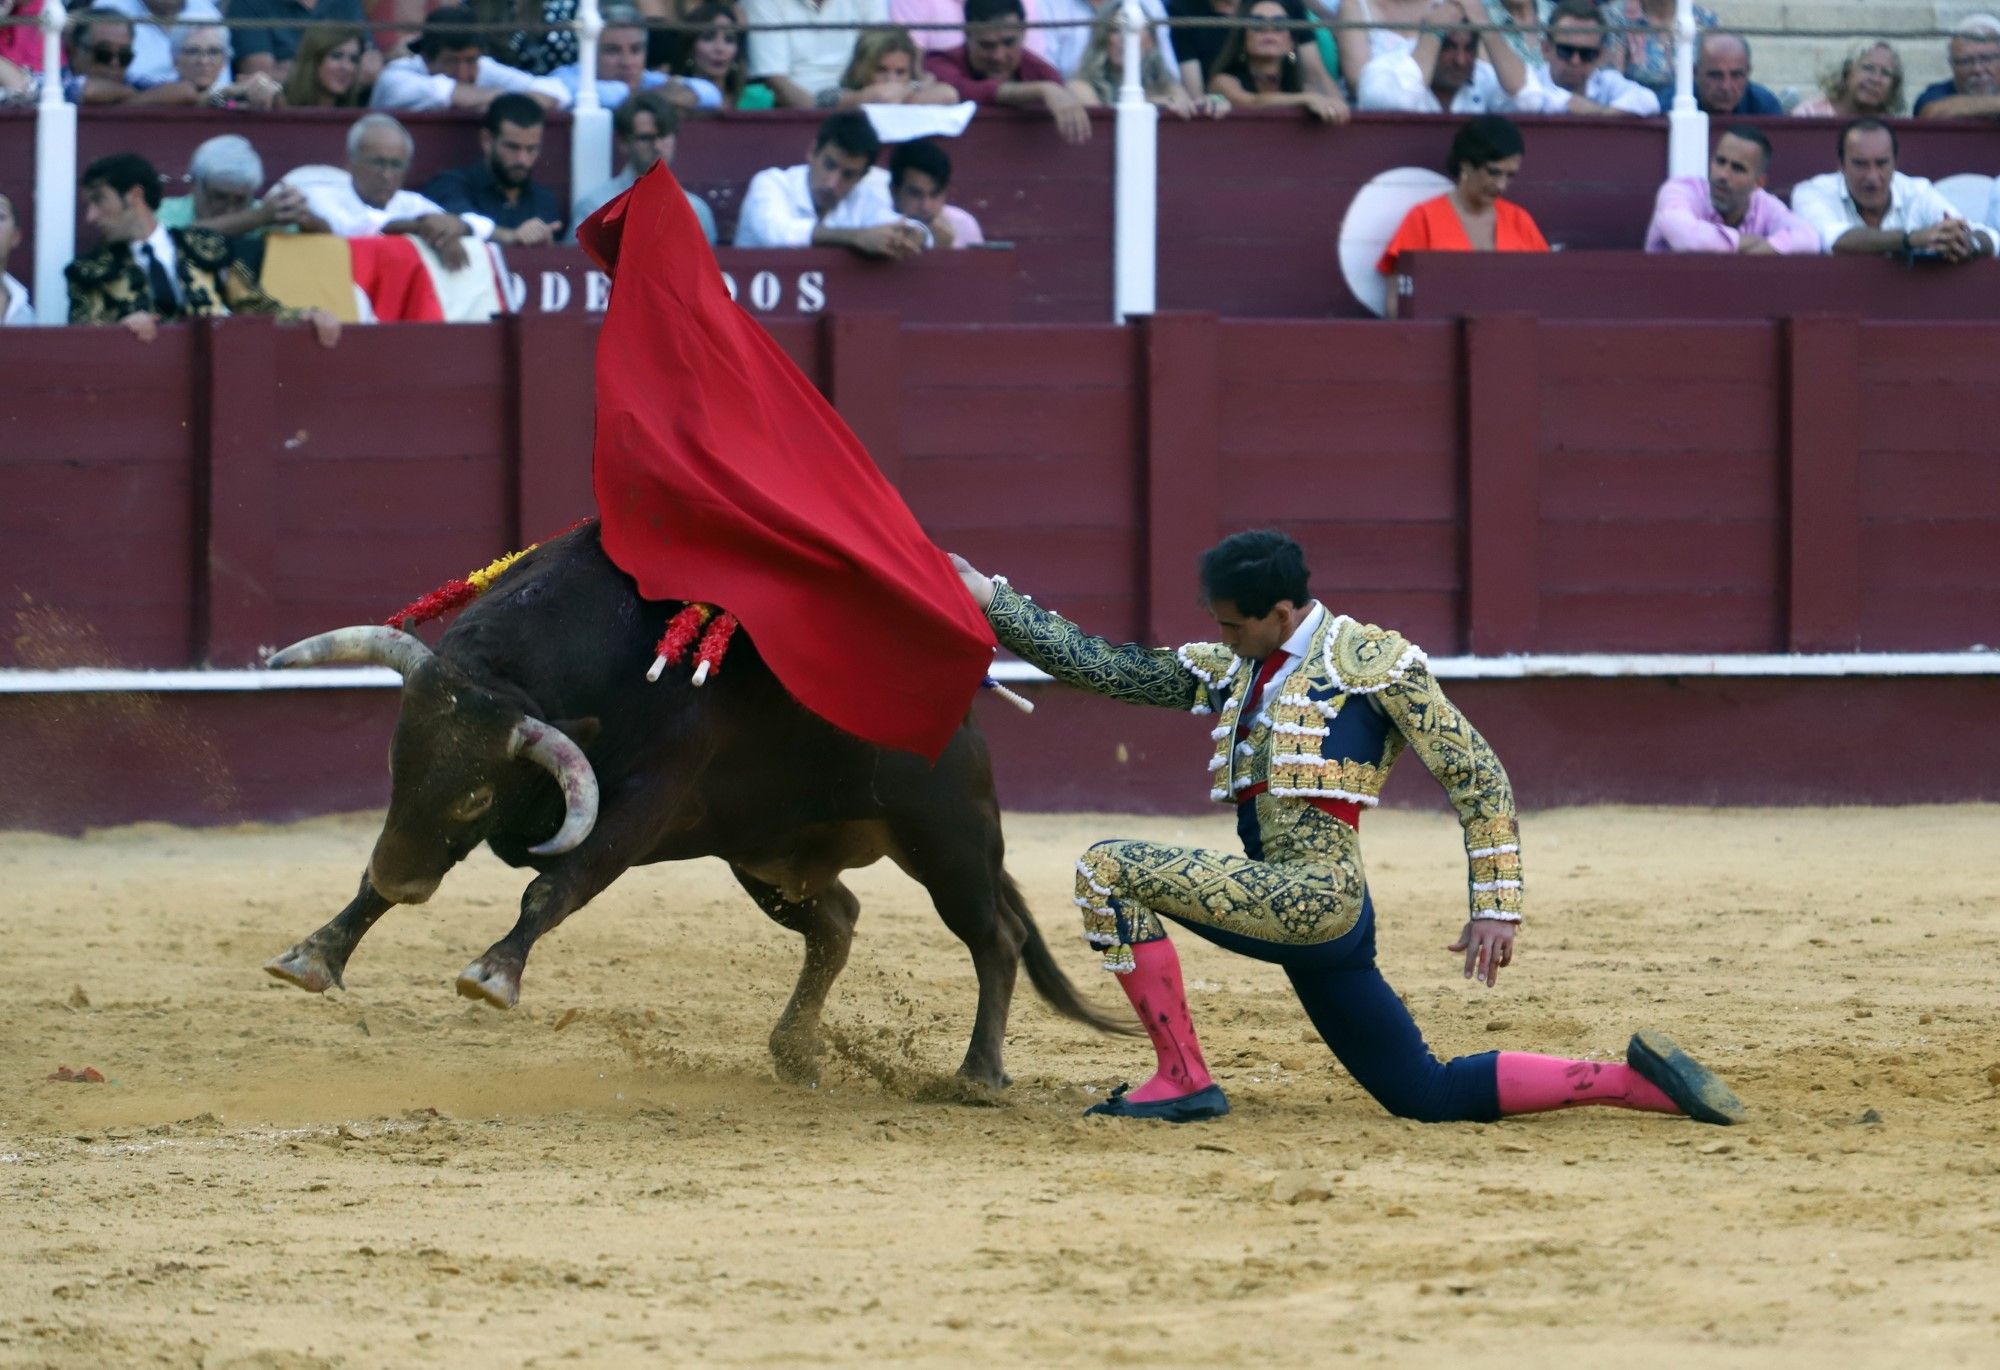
(1368, 1029)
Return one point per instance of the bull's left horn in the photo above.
(550, 749)
(370, 645)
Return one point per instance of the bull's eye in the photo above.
(469, 807)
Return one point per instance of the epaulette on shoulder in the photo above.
(206, 248)
(1212, 664)
(1364, 659)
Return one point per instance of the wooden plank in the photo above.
(864, 381)
(1380, 556)
(1922, 485)
(1589, 485)
(1180, 481)
(1381, 489)
(1661, 554)
(1823, 381)
(552, 382)
(1660, 621)
(1022, 422)
(942, 358)
(238, 488)
(1944, 619)
(1503, 390)
(1337, 352)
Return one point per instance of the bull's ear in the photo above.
(582, 731)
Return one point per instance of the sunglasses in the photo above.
(1570, 52)
(106, 55)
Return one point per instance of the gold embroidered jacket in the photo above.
(109, 284)
(1332, 726)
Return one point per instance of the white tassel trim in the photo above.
(1299, 730)
(1206, 677)
(1493, 851)
(1410, 657)
(1219, 795)
(1216, 763)
(1084, 871)
(1201, 709)
(1487, 886)
(1366, 801)
(1219, 733)
(1245, 749)
(1494, 916)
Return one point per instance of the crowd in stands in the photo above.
(659, 61)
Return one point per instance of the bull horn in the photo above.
(553, 751)
(401, 652)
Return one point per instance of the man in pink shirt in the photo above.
(994, 67)
(1733, 212)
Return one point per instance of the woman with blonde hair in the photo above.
(327, 72)
(1867, 84)
(1101, 71)
(887, 69)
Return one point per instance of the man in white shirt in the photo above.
(621, 67)
(803, 66)
(1869, 207)
(152, 56)
(372, 200)
(839, 198)
(1445, 72)
(1573, 47)
(450, 71)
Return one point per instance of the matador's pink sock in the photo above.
(1154, 987)
(1537, 1084)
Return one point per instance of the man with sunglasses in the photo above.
(1573, 47)
(153, 22)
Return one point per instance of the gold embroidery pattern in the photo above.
(1123, 886)
(1365, 659)
(1473, 779)
(1138, 675)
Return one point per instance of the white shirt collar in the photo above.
(162, 245)
(1296, 644)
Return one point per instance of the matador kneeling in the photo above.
(1312, 710)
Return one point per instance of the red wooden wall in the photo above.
(1493, 486)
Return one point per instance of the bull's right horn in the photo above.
(372, 645)
(552, 750)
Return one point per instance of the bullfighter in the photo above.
(1312, 709)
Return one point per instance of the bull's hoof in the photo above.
(495, 985)
(797, 1058)
(305, 967)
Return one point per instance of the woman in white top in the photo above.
(1359, 47)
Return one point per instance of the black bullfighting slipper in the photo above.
(1697, 1090)
(1189, 1108)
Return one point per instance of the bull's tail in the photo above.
(1046, 976)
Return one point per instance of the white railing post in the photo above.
(590, 121)
(55, 175)
(1135, 179)
(1687, 126)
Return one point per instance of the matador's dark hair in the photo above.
(1255, 570)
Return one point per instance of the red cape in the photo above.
(722, 476)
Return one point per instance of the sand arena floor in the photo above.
(611, 1174)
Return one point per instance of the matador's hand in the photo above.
(976, 585)
(1488, 945)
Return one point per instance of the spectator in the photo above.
(803, 65)
(1733, 212)
(1974, 87)
(153, 23)
(272, 50)
(201, 63)
(714, 53)
(1868, 84)
(994, 68)
(1870, 208)
(144, 272)
(1574, 47)
(1642, 42)
(838, 199)
(621, 67)
(1444, 71)
(501, 187)
(1102, 70)
(15, 306)
(888, 70)
(1722, 84)
(920, 190)
(372, 199)
(100, 53)
(326, 73)
(1258, 68)
(447, 70)
(20, 45)
(225, 174)
(648, 131)
(1064, 47)
(914, 14)
(554, 45)
(1471, 217)
(1197, 49)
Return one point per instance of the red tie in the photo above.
(1255, 698)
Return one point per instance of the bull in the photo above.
(532, 728)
